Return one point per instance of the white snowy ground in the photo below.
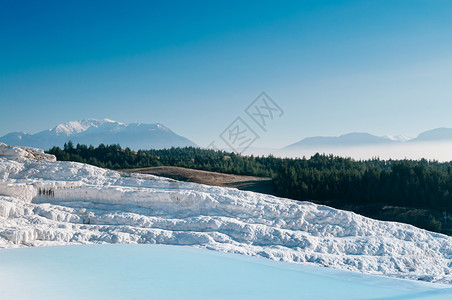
(45, 202)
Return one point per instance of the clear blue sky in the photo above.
(383, 67)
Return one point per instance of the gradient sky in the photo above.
(383, 67)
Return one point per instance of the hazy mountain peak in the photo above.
(345, 140)
(358, 139)
(437, 134)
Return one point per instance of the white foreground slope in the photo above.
(46, 202)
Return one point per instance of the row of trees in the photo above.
(114, 157)
(339, 182)
(420, 184)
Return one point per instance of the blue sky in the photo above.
(383, 67)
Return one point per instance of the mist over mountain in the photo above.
(356, 139)
(438, 134)
(91, 131)
(350, 139)
(435, 144)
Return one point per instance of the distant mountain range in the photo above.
(356, 139)
(156, 136)
(91, 131)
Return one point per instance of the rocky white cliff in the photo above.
(45, 202)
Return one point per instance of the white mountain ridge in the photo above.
(398, 138)
(93, 131)
(47, 202)
(74, 127)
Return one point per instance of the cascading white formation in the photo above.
(46, 202)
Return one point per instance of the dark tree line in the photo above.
(114, 157)
(421, 184)
(374, 188)
(369, 187)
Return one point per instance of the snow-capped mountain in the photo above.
(398, 138)
(46, 202)
(135, 135)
